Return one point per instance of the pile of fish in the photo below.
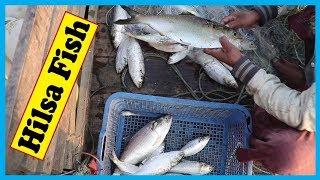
(144, 154)
(184, 35)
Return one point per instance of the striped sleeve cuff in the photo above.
(244, 70)
(266, 13)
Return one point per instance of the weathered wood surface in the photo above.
(40, 26)
(84, 91)
(28, 57)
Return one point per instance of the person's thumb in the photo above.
(228, 19)
(245, 155)
(234, 24)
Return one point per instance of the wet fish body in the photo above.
(155, 38)
(156, 165)
(146, 140)
(185, 29)
(117, 30)
(122, 55)
(159, 42)
(213, 68)
(158, 151)
(187, 9)
(123, 166)
(135, 62)
(178, 56)
(161, 163)
(195, 146)
(169, 47)
(192, 168)
(128, 113)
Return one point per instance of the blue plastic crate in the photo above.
(229, 126)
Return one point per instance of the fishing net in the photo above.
(274, 40)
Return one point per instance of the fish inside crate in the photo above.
(228, 126)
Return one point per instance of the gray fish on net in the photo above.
(214, 69)
(117, 30)
(135, 62)
(185, 29)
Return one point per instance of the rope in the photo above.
(176, 70)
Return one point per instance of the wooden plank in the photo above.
(84, 91)
(71, 138)
(29, 56)
(17, 68)
(45, 166)
(71, 141)
(43, 22)
(68, 118)
(59, 150)
(62, 134)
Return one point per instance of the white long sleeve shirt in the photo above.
(296, 109)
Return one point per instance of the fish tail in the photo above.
(130, 11)
(114, 157)
(124, 167)
(132, 20)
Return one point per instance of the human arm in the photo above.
(296, 109)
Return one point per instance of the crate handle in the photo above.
(103, 148)
(249, 122)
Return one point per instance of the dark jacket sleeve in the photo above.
(266, 13)
(244, 70)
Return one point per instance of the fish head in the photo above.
(247, 45)
(204, 139)
(231, 82)
(162, 125)
(238, 40)
(233, 35)
(206, 168)
(178, 155)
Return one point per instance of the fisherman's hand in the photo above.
(228, 54)
(282, 151)
(241, 20)
(277, 147)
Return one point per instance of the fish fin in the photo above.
(130, 11)
(123, 166)
(217, 24)
(186, 13)
(145, 160)
(178, 56)
(154, 125)
(126, 21)
(128, 34)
